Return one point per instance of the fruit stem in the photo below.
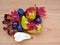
(35, 6)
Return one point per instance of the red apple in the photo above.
(31, 13)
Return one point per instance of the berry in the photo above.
(32, 26)
(14, 16)
(41, 12)
(11, 32)
(6, 21)
(38, 20)
(20, 11)
(4, 28)
(19, 28)
(14, 25)
(5, 16)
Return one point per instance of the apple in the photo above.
(31, 13)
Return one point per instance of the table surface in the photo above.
(50, 34)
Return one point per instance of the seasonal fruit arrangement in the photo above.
(19, 22)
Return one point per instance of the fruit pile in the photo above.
(28, 21)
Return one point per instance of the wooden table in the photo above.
(50, 34)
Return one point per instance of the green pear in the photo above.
(24, 22)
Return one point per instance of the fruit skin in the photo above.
(5, 16)
(20, 11)
(19, 28)
(31, 13)
(15, 24)
(41, 12)
(11, 32)
(6, 21)
(36, 31)
(14, 16)
(21, 36)
(24, 22)
(38, 20)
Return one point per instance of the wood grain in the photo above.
(50, 34)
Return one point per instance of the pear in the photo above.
(24, 22)
(36, 31)
(20, 36)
